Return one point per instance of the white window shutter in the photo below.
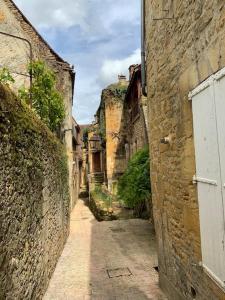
(219, 87)
(208, 177)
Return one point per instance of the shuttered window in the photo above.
(208, 105)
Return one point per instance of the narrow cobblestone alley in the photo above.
(107, 260)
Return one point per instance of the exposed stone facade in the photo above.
(85, 158)
(15, 55)
(121, 123)
(96, 161)
(135, 115)
(184, 47)
(34, 201)
(111, 108)
(77, 160)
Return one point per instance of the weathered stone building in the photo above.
(135, 115)
(34, 201)
(77, 159)
(120, 126)
(110, 128)
(21, 44)
(96, 158)
(85, 164)
(185, 48)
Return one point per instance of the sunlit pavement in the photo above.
(107, 260)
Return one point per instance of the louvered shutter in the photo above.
(208, 104)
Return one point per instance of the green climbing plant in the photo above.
(134, 186)
(47, 102)
(5, 76)
(99, 195)
(85, 137)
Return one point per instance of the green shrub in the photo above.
(85, 136)
(46, 100)
(99, 195)
(134, 186)
(5, 76)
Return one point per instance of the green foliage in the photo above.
(85, 136)
(134, 185)
(86, 131)
(5, 76)
(46, 100)
(34, 150)
(102, 124)
(99, 195)
(119, 91)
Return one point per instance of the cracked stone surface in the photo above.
(94, 249)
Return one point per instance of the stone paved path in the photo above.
(98, 254)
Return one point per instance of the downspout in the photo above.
(143, 61)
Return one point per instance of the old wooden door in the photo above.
(96, 161)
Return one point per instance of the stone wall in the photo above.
(135, 126)
(77, 159)
(15, 55)
(183, 49)
(34, 201)
(113, 98)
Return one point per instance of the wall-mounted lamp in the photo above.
(95, 142)
(166, 140)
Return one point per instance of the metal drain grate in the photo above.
(117, 229)
(119, 272)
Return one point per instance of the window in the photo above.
(208, 104)
(135, 104)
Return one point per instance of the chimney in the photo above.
(122, 79)
(131, 70)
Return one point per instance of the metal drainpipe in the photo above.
(143, 63)
(31, 57)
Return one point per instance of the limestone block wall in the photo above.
(115, 156)
(137, 135)
(135, 114)
(34, 201)
(184, 47)
(15, 55)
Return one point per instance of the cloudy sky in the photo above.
(101, 38)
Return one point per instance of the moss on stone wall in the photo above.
(34, 200)
(118, 90)
(115, 92)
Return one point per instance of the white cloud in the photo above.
(55, 13)
(93, 35)
(111, 68)
(90, 15)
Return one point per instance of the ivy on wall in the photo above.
(134, 186)
(47, 102)
(5, 76)
(115, 92)
(34, 182)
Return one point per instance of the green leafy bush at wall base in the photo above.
(99, 195)
(134, 186)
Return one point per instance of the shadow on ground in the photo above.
(106, 260)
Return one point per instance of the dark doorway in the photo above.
(96, 162)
